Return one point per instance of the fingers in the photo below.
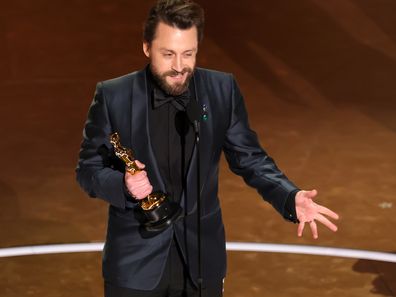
(140, 164)
(138, 184)
(142, 192)
(321, 209)
(328, 212)
(300, 229)
(138, 176)
(312, 225)
(314, 229)
(325, 221)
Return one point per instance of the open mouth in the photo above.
(178, 76)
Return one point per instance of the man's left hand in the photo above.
(309, 212)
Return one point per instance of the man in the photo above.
(147, 109)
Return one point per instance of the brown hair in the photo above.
(182, 14)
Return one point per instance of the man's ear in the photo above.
(146, 49)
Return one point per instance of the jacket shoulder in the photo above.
(124, 81)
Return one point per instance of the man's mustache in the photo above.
(175, 72)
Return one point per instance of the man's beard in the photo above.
(177, 88)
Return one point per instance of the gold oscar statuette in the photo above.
(158, 210)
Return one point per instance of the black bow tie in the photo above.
(179, 102)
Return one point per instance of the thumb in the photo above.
(311, 194)
(140, 164)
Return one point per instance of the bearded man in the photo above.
(147, 108)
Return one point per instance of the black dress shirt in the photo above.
(172, 137)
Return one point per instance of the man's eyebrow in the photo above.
(163, 49)
(194, 49)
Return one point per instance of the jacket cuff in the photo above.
(290, 207)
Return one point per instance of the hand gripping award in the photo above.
(158, 211)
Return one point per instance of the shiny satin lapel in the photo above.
(206, 143)
(141, 144)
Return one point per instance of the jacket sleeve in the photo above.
(247, 158)
(94, 173)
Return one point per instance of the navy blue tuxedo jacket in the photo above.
(131, 259)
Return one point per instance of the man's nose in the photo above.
(177, 64)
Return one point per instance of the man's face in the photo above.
(172, 56)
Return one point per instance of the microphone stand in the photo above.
(199, 241)
(194, 114)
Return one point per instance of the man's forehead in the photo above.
(171, 37)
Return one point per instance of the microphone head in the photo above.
(193, 111)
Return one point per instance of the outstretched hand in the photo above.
(309, 212)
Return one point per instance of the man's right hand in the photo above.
(138, 184)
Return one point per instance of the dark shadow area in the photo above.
(385, 282)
